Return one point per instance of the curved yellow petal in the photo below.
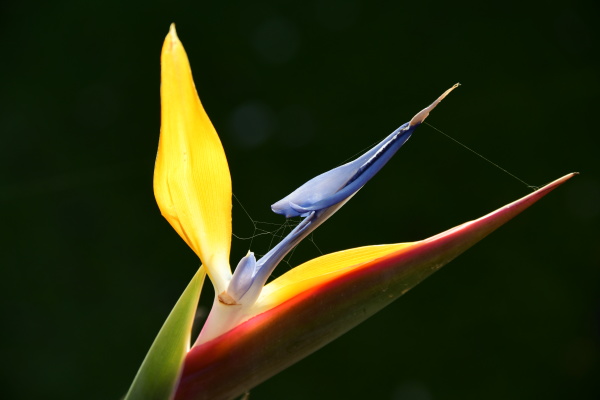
(318, 271)
(192, 184)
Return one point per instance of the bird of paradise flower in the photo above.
(256, 330)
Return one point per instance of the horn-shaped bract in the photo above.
(316, 302)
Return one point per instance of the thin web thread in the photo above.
(277, 233)
(251, 220)
(481, 156)
(281, 229)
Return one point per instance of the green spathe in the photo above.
(159, 373)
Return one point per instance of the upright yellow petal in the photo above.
(192, 184)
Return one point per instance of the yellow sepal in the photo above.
(320, 270)
(192, 184)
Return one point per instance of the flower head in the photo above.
(255, 330)
(193, 189)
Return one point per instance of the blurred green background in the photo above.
(90, 269)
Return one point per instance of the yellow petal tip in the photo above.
(172, 40)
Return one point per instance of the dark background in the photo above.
(90, 269)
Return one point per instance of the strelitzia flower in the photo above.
(256, 329)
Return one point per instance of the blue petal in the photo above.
(242, 277)
(317, 200)
(246, 286)
(340, 183)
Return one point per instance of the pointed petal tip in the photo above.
(172, 40)
(424, 113)
(491, 221)
(558, 181)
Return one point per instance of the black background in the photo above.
(90, 269)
